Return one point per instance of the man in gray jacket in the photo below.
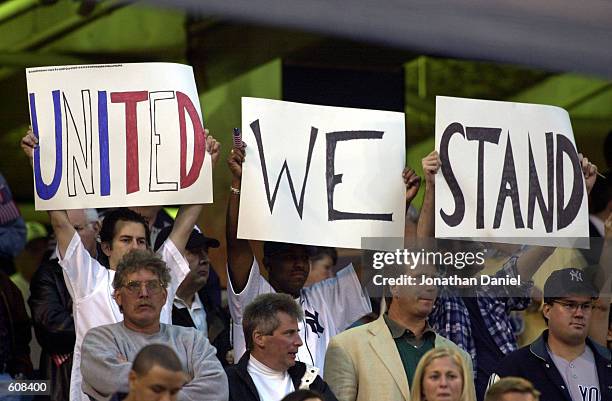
(108, 351)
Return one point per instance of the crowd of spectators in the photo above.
(123, 304)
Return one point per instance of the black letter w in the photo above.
(298, 205)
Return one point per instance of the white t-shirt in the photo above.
(271, 385)
(91, 287)
(330, 307)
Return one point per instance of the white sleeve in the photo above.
(82, 273)
(178, 266)
(255, 285)
(343, 296)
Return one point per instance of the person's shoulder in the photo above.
(111, 327)
(599, 350)
(103, 332)
(48, 269)
(360, 333)
(516, 361)
(187, 334)
(442, 341)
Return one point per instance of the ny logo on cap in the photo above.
(575, 275)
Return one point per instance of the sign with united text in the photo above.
(117, 135)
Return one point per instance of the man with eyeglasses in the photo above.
(140, 284)
(89, 282)
(564, 363)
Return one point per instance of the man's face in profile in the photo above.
(158, 384)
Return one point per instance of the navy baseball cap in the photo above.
(197, 240)
(566, 282)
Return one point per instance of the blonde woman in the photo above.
(443, 375)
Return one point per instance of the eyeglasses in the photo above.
(573, 306)
(153, 287)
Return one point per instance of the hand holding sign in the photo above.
(589, 170)
(234, 162)
(28, 143)
(431, 164)
(213, 147)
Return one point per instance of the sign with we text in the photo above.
(321, 175)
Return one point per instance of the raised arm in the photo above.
(188, 214)
(64, 231)
(426, 226)
(239, 252)
(412, 182)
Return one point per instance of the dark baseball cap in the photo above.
(566, 282)
(197, 240)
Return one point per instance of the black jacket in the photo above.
(535, 364)
(217, 320)
(51, 307)
(19, 331)
(242, 388)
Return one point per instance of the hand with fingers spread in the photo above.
(589, 170)
(28, 143)
(431, 164)
(213, 147)
(412, 182)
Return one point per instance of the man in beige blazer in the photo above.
(376, 361)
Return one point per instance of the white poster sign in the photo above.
(117, 135)
(321, 175)
(510, 173)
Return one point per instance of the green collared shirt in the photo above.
(410, 349)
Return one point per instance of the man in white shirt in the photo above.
(330, 306)
(90, 283)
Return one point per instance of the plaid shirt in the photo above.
(450, 317)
